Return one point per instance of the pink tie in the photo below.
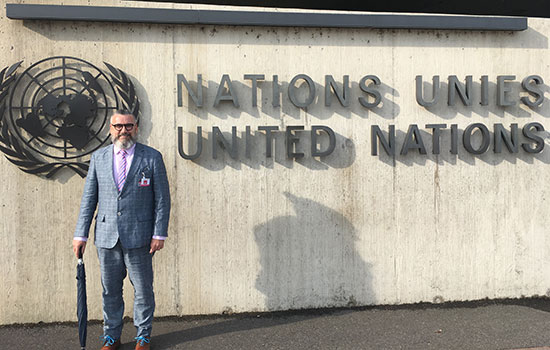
(122, 171)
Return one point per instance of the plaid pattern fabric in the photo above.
(134, 214)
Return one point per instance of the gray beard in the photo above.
(123, 144)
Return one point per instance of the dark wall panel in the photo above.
(528, 8)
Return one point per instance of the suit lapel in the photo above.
(110, 158)
(138, 156)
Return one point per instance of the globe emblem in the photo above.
(60, 108)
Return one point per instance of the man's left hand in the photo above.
(156, 244)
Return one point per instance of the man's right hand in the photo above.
(78, 245)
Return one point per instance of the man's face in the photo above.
(123, 138)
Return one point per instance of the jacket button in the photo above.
(119, 213)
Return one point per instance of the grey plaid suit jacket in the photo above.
(132, 215)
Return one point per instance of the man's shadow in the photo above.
(308, 260)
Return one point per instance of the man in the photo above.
(127, 182)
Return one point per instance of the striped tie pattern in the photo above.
(122, 171)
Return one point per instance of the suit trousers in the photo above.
(114, 265)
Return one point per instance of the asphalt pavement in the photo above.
(502, 324)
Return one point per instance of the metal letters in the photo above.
(476, 138)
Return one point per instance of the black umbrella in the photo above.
(81, 305)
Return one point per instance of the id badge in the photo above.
(145, 181)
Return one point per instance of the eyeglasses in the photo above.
(128, 126)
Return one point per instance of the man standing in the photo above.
(128, 184)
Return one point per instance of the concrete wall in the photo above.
(263, 233)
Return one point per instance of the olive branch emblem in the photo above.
(126, 89)
(74, 131)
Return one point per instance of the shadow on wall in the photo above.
(309, 260)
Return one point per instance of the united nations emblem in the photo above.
(56, 112)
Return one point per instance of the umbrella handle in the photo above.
(79, 255)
